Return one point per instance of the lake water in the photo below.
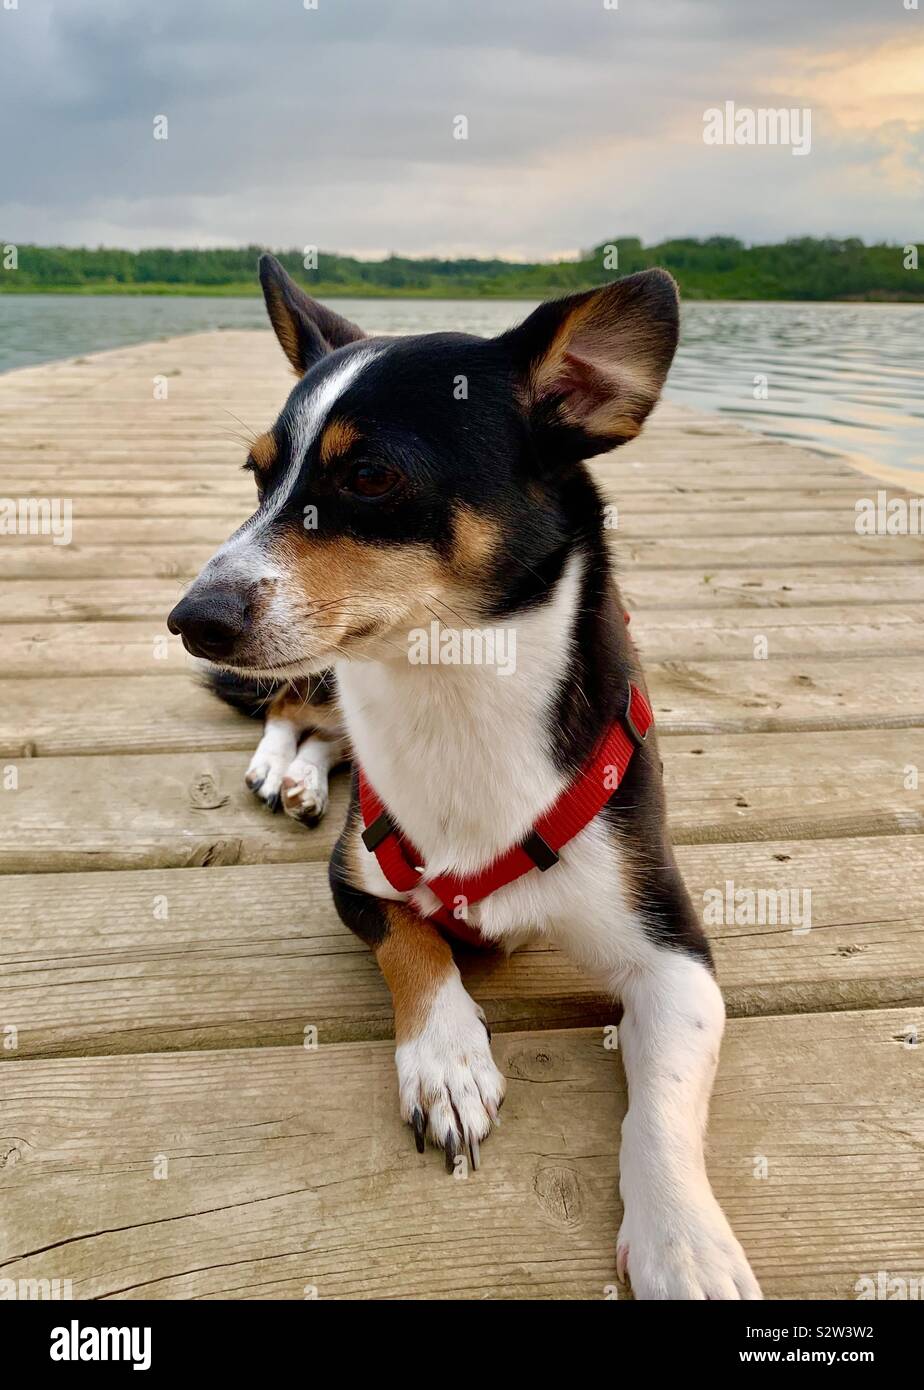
(842, 378)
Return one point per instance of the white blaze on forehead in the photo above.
(309, 419)
(242, 557)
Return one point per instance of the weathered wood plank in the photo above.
(731, 551)
(115, 562)
(178, 810)
(846, 630)
(163, 532)
(164, 960)
(160, 713)
(88, 600)
(106, 713)
(75, 648)
(782, 694)
(696, 498)
(183, 505)
(718, 587)
(281, 1163)
(134, 482)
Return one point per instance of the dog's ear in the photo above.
(306, 330)
(591, 366)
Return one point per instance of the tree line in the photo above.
(717, 267)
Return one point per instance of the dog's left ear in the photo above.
(591, 366)
(306, 330)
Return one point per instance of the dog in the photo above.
(437, 484)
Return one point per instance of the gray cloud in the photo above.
(334, 127)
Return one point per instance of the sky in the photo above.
(335, 126)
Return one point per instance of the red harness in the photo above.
(575, 808)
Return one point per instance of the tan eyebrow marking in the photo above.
(264, 451)
(338, 437)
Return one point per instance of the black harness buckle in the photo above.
(379, 830)
(540, 852)
(631, 727)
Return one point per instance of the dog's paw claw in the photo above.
(451, 1149)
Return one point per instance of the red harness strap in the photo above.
(575, 808)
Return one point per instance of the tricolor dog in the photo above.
(440, 479)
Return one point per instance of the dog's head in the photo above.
(423, 477)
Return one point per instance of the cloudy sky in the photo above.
(334, 126)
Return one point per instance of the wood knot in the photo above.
(534, 1063)
(205, 793)
(558, 1193)
(11, 1151)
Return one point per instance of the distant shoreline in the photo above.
(719, 268)
(237, 290)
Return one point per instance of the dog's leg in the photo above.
(448, 1085)
(302, 740)
(275, 751)
(675, 1241)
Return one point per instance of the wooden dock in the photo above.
(164, 1130)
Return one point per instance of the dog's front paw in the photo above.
(295, 781)
(448, 1084)
(305, 791)
(684, 1251)
(264, 775)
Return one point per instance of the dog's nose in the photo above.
(211, 622)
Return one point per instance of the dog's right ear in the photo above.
(306, 330)
(591, 366)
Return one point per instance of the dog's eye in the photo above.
(251, 467)
(372, 480)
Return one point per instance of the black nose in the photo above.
(210, 622)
